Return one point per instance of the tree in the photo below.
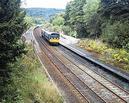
(57, 20)
(74, 16)
(115, 21)
(30, 21)
(12, 25)
(115, 9)
(91, 18)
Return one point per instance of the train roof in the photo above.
(50, 32)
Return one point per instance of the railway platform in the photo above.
(71, 44)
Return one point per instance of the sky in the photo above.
(45, 3)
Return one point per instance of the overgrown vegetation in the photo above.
(114, 56)
(28, 82)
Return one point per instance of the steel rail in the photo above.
(116, 71)
(114, 84)
(94, 92)
(46, 45)
(65, 76)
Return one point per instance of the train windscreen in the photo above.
(55, 35)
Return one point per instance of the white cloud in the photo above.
(46, 3)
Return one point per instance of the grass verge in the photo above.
(29, 84)
(114, 56)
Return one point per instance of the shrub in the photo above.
(121, 56)
(114, 56)
(91, 45)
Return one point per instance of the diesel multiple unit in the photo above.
(51, 37)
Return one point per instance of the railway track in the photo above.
(85, 67)
(113, 87)
(73, 95)
(95, 68)
(91, 86)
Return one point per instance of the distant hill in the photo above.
(43, 12)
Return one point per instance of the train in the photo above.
(51, 37)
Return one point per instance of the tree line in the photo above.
(107, 20)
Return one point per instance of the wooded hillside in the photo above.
(42, 12)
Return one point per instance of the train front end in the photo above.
(54, 38)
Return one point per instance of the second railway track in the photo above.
(90, 85)
(113, 87)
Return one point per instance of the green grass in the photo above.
(114, 56)
(29, 83)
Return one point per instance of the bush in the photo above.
(113, 56)
(93, 45)
(121, 56)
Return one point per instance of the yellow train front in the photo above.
(51, 37)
